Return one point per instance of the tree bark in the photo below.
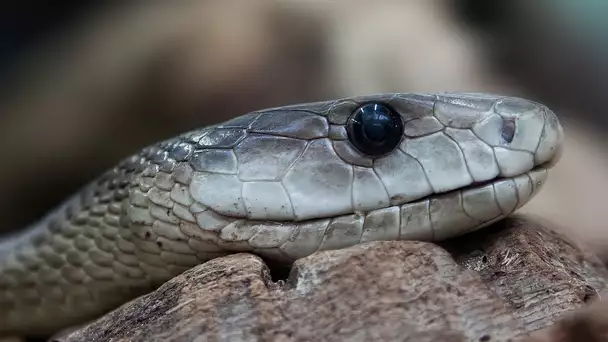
(498, 284)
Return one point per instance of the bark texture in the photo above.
(498, 284)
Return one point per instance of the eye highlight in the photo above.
(508, 130)
(374, 129)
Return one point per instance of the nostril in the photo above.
(508, 130)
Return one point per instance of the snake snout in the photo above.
(524, 135)
(551, 143)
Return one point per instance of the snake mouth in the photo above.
(435, 217)
(444, 215)
(536, 170)
(542, 168)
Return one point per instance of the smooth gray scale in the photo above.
(284, 150)
(349, 154)
(314, 194)
(482, 104)
(422, 126)
(181, 151)
(167, 165)
(417, 99)
(467, 115)
(194, 137)
(341, 111)
(222, 138)
(242, 122)
(413, 106)
(379, 98)
(150, 170)
(215, 161)
(511, 106)
(337, 132)
(182, 173)
(320, 108)
(292, 124)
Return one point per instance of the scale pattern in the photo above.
(282, 183)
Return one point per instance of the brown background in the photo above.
(107, 80)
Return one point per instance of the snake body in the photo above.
(281, 183)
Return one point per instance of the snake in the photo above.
(281, 183)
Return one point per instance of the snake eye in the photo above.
(374, 129)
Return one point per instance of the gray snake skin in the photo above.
(281, 183)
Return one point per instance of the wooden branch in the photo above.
(498, 284)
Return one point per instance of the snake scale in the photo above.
(281, 183)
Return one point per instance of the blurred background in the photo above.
(85, 83)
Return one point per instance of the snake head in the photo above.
(354, 155)
(335, 173)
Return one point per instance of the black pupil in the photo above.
(375, 129)
(376, 122)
